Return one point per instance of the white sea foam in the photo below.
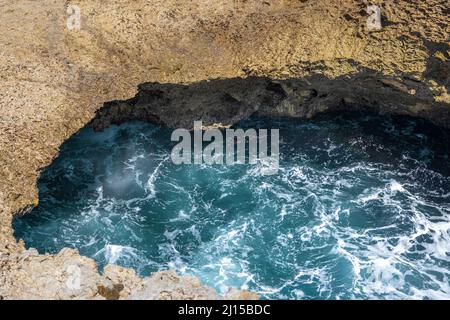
(327, 226)
(113, 253)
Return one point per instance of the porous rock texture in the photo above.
(220, 60)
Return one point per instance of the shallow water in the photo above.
(360, 209)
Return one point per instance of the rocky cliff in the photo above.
(231, 58)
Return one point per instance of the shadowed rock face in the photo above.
(281, 57)
(223, 102)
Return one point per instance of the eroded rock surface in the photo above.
(306, 57)
(223, 102)
(67, 275)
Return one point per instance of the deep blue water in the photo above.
(360, 209)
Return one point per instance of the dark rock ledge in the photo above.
(223, 102)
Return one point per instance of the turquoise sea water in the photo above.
(360, 208)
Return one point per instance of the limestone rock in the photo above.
(294, 58)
